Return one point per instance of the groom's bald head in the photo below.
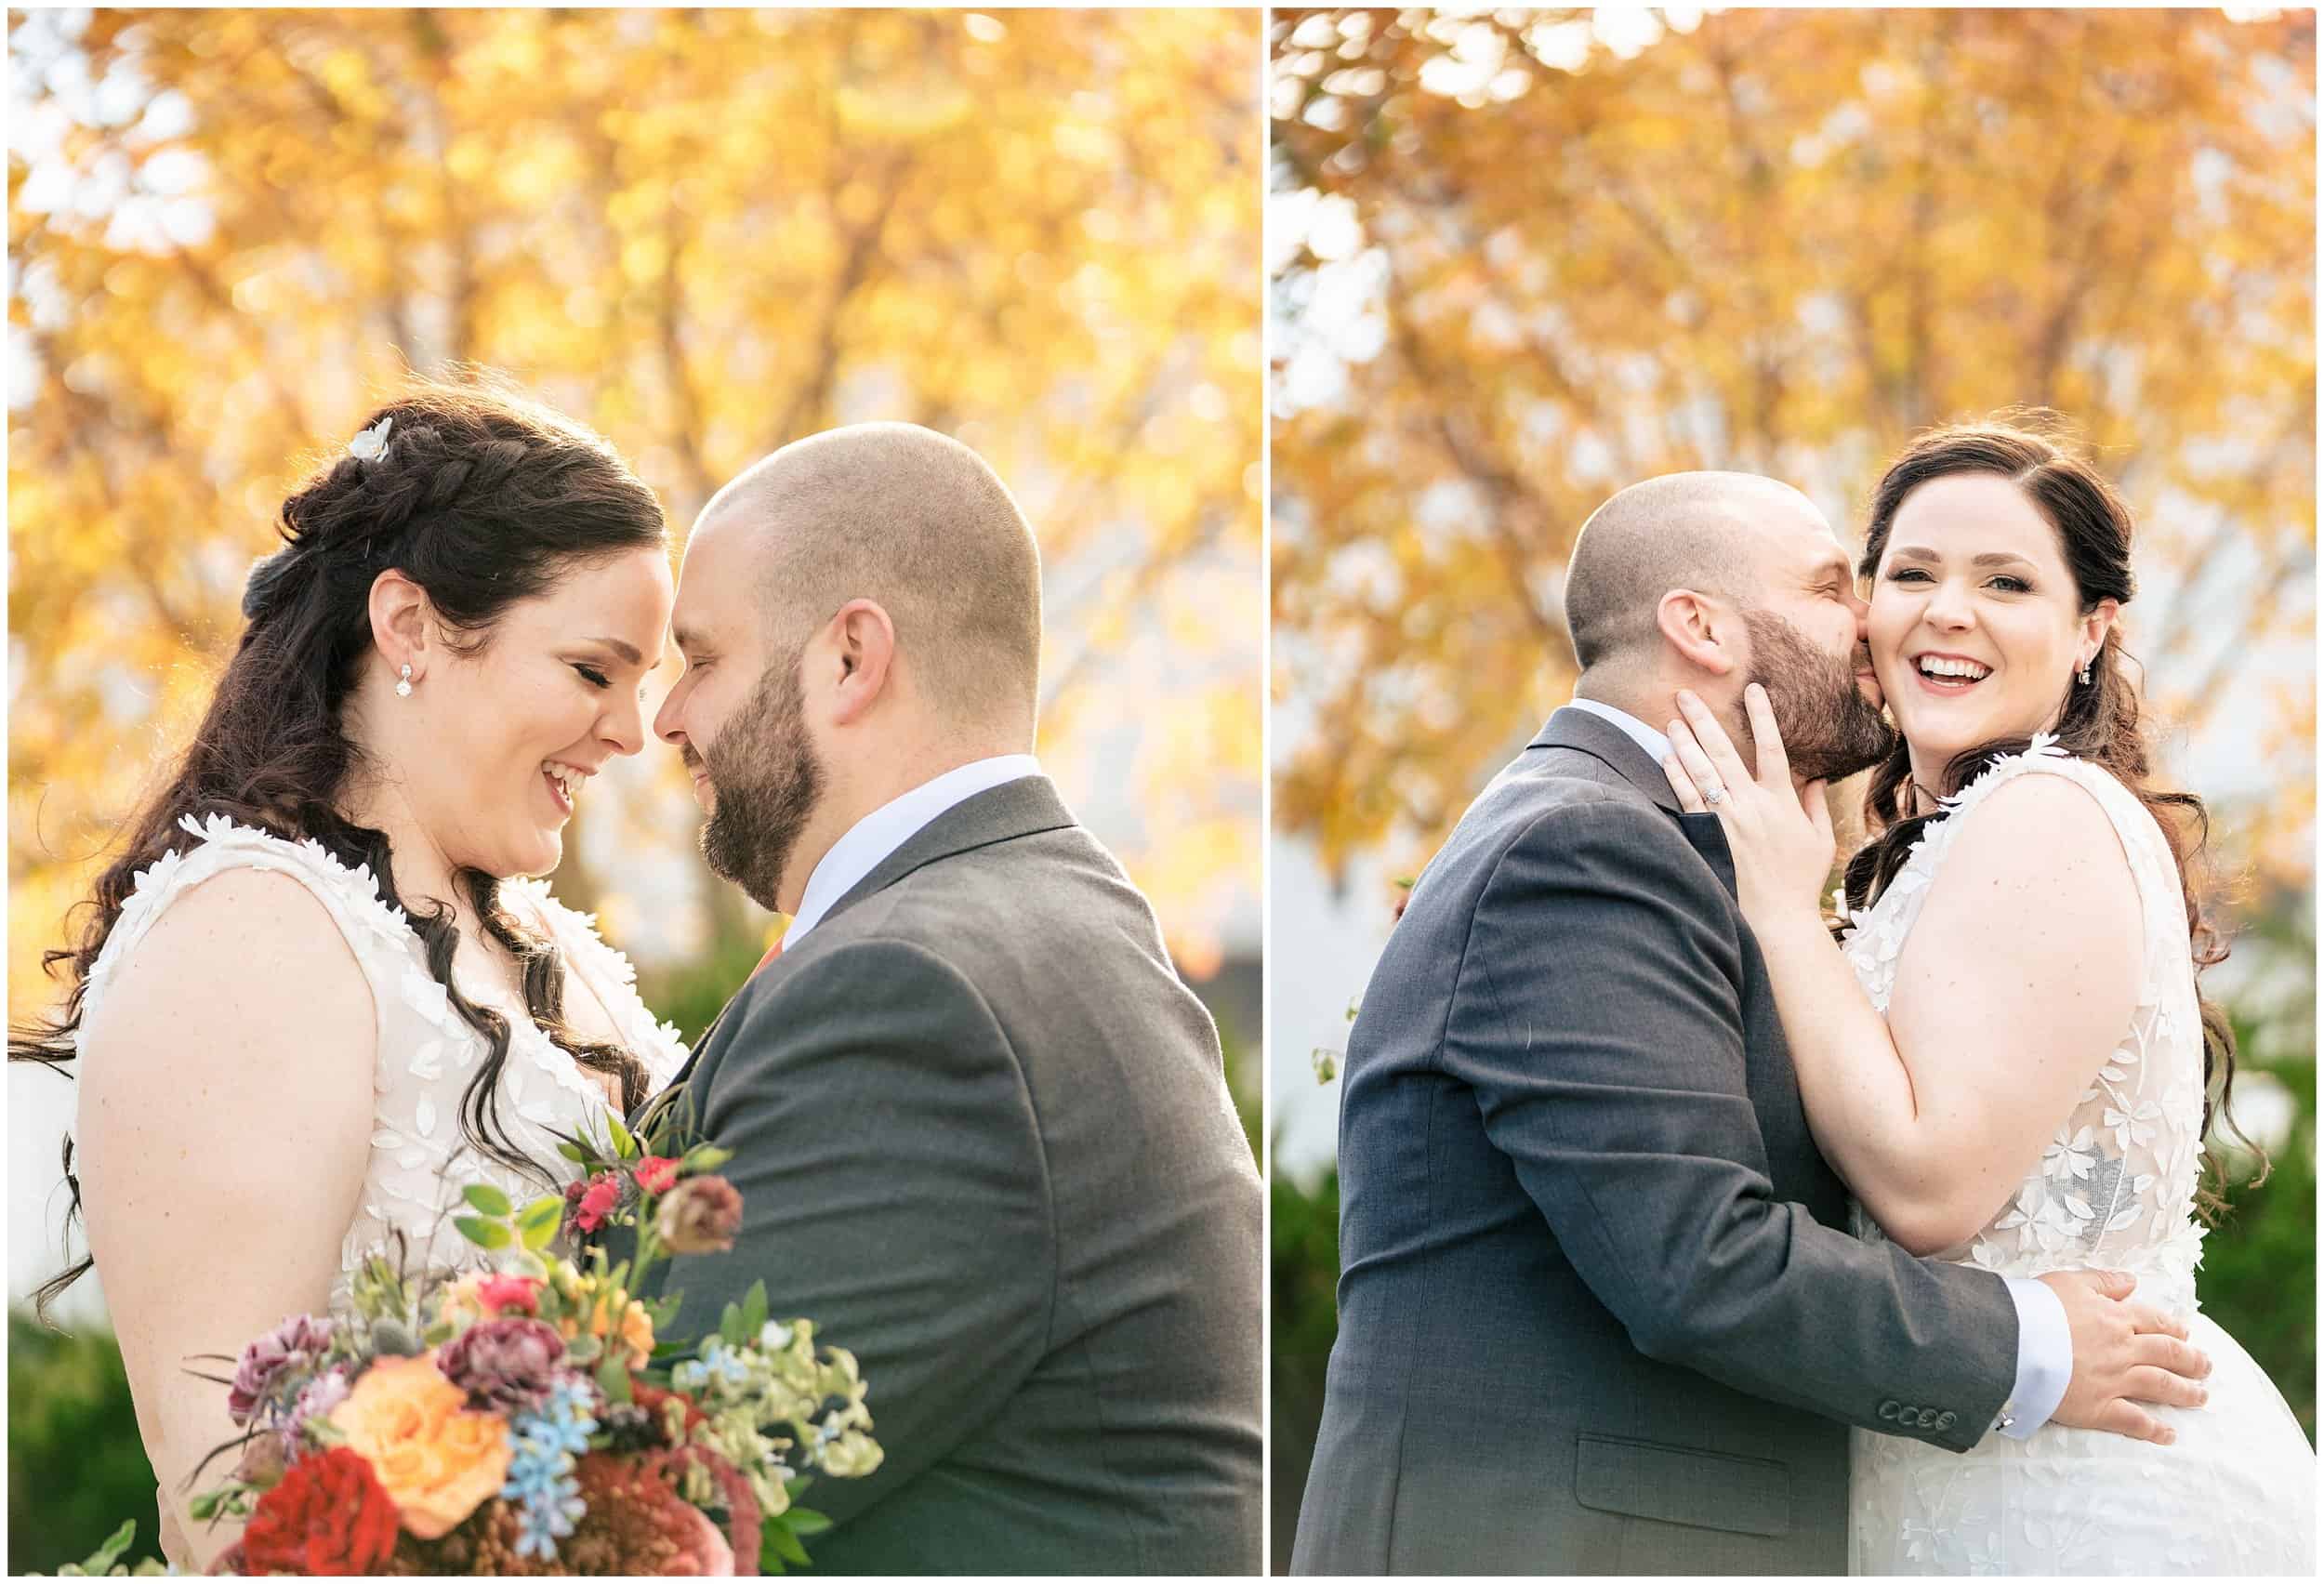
(917, 523)
(1703, 532)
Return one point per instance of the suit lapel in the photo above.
(1581, 732)
(1024, 807)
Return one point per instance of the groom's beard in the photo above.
(765, 782)
(1830, 729)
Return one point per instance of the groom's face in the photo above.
(1808, 652)
(738, 715)
(764, 782)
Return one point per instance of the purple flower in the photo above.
(326, 1391)
(508, 1365)
(294, 1347)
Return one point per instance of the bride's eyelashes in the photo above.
(598, 679)
(2007, 583)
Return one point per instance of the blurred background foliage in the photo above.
(706, 233)
(1520, 258)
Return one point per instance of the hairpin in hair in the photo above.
(372, 444)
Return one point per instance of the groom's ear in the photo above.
(1705, 631)
(865, 641)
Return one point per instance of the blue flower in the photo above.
(540, 1483)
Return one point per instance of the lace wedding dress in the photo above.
(2114, 1189)
(427, 1055)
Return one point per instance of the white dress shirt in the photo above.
(871, 839)
(2045, 1347)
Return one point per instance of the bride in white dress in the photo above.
(2006, 1057)
(317, 995)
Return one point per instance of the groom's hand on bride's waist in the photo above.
(2126, 1354)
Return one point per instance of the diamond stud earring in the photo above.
(403, 686)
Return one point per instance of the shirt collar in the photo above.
(871, 839)
(1656, 746)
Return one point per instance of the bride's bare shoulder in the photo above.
(246, 961)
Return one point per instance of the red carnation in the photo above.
(329, 1516)
(656, 1174)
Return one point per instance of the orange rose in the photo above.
(436, 1459)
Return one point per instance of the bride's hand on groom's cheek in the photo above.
(1781, 837)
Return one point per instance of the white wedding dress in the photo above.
(419, 1159)
(2114, 1189)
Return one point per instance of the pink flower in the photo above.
(701, 1215)
(294, 1347)
(498, 1294)
(595, 1199)
(656, 1174)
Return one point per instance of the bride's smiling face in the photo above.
(1975, 625)
(499, 744)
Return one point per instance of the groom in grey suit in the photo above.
(981, 1128)
(1600, 1310)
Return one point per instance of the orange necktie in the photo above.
(773, 952)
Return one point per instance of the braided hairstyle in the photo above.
(2099, 721)
(483, 499)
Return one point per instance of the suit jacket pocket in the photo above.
(1682, 1485)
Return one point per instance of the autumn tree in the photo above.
(1524, 257)
(706, 233)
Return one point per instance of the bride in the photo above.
(316, 995)
(2005, 1056)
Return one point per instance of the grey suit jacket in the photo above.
(1599, 1311)
(983, 1141)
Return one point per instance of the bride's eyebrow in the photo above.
(627, 650)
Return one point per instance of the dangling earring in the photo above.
(2085, 673)
(403, 685)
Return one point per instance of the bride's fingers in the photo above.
(1698, 767)
(1683, 784)
(1713, 738)
(1817, 807)
(1774, 765)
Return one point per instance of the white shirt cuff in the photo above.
(2045, 1358)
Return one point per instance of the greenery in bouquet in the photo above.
(529, 1417)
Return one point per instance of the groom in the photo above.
(1599, 1308)
(980, 1129)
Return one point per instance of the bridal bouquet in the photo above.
(530, 1420)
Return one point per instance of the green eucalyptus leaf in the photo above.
(755, 1309)
(804, 1522)
(485, 1199)
(537, 1223)
(483, 1234)
(731, 1327)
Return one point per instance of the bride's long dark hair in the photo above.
(2100, 721)
(483, 499)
